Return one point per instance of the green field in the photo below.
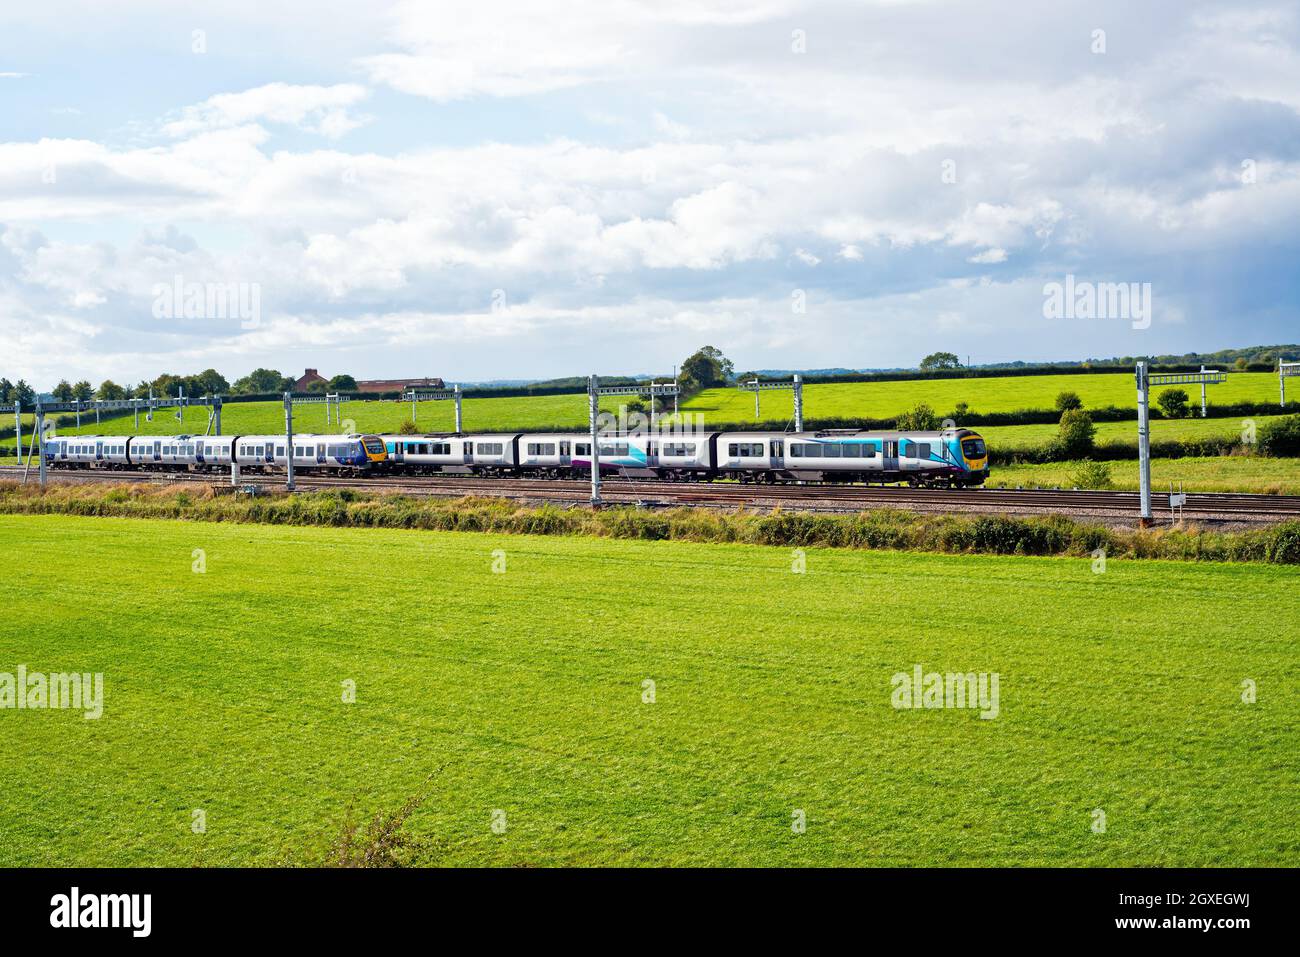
(885, 399)
(526, 695)
(1228, 473)
(1021, 436)
(254, 418)
(848, 400)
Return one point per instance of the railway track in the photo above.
(1205, 507)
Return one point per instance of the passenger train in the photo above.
(950, 457)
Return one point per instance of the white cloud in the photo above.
(316, 109)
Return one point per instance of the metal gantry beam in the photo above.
(758, 385)
(1285, 370)
(436, 395)
(651, 389)
(1145, 380)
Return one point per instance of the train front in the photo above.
(373, 449)
(974, 456)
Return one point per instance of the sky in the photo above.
(502, 189)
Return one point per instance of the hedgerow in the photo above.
(879, 529)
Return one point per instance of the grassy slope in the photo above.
(263, 417)
(1213, 474)
(882, 399)
(772, 695)
(1029, 435)
(871, 399)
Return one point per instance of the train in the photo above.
(950, 457)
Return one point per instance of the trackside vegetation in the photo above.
(892, 529)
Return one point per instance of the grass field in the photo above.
(1161, 429)
(884, 399)
(856, 399)
(253, 418)
(523, 692)
(1228, 473)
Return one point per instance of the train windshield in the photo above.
(373, 445)
(974, 448)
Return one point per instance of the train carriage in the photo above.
(487, 454)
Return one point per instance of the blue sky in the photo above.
(490, 190)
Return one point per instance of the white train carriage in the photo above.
(434, 452)
(87, 451)
(550, 454)
(749, 456)
(486, 454)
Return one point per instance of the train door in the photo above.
(890, 447)
(399, 451)
(778, 453)
(651, 453)
(468, 449)
(320, 454)
(566, 453)
(99, 451)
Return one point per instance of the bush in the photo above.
(408, 428)
(1173, 403)
(1280, 438)
(920, 419)
(1091, 475)
(1075, 438)
(1065, 401)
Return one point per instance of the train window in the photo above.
(831, 452)
(564, 448)
(582, 448)
(489, 448)
(974, 448)
(745, 449)
(679, 448)
(617, 448)
(921, 450)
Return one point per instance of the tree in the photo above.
(258, 382)
(317, 385)
(23, 393)
(1173, 403)
(63, 391)
(1065, 401)
(940, 360)
(343, 383)
(1241, 364)
(408, 427)
(6, 390)
(110, 391)
(207, 382)
(706, 368)
(83, 391)
(1075, 434)
(922, 418)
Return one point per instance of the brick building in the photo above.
(397, 385)
(308, 377)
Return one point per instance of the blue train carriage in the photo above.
(341, 454)
(951, 457)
